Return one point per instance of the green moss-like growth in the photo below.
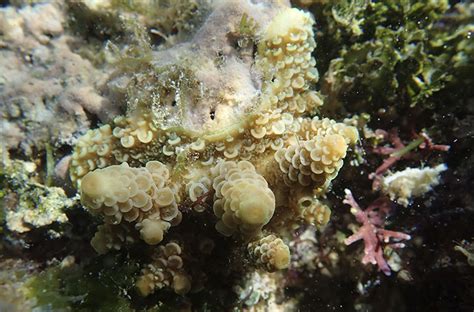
(105, 284)
(382, 53)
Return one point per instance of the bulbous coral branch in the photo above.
(242, 201)
(141, 196)
(372, 232)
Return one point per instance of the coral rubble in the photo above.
(28, 203)
(411, 182)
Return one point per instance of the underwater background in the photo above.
(237, 155)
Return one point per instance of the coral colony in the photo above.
(257, 149)
(187, 154)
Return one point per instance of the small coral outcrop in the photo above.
(141, 196)
(270, 252)
(242, 200)
(313, 211)
(112, 237)
(316, 161)
(166, 270)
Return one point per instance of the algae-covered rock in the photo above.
(104, 284)
(26, 203)
(47, 90)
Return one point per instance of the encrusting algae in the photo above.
(246, 139)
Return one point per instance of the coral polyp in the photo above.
(237, 123)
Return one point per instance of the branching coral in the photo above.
(373, 234)
(234, 127)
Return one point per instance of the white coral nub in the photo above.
(404, 185)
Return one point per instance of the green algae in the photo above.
(393, 52)
(104, 284)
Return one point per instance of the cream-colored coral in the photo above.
(166, 270)
(313, 211)
(242, 200)
(198, 188)
(112, 237)
(286, 62)
(312, 162)
(270, 252)
(133, 195)
(234, 127)
(404, 185)
(105, 146)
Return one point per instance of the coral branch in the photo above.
(372, 232)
